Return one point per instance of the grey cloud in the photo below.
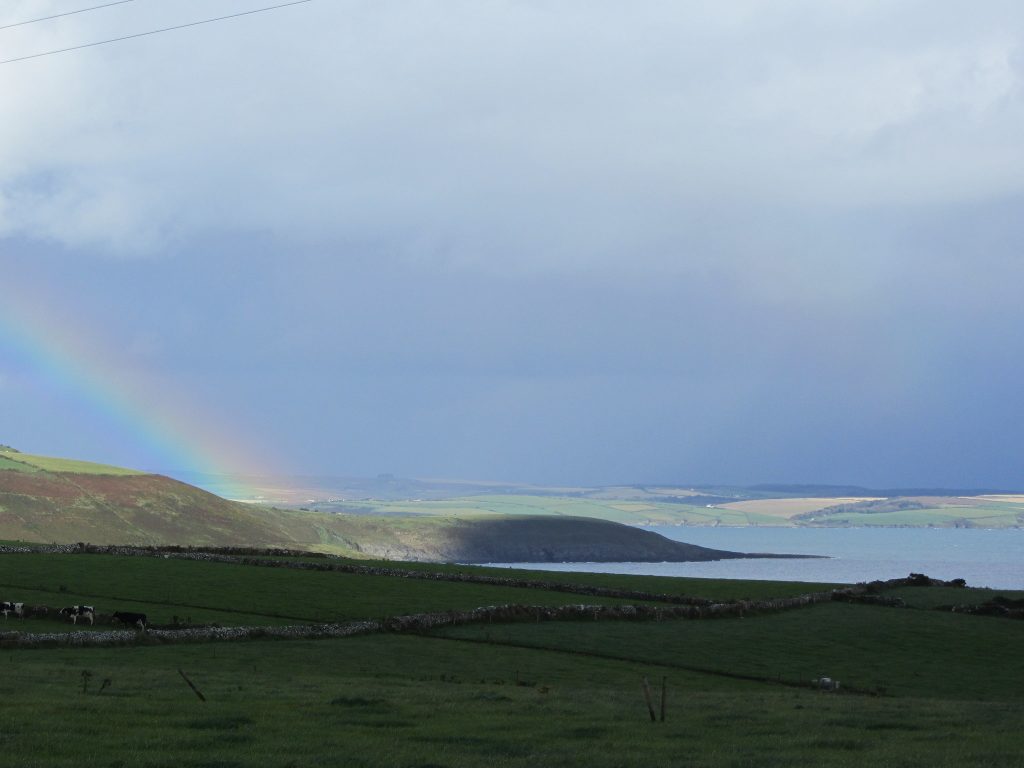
(565, 242)
(542, 133)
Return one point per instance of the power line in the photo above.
(156, 31)
(69, 13)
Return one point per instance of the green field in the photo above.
(24, 462)
(982, 514)
(616, 510)
(987, 516)
(236, 595)
(919, 687)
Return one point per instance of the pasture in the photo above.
(630, 512)
(919, 687)
(981, 515)
(25, 462)
(983, 512)
(787, 508)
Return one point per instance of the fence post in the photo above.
(195, 690)
(647, 698)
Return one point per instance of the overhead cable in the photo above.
(155, 31)
(69, 13)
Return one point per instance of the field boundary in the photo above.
(647, 663)
(672, 607)
(235, 556)
(412, 623)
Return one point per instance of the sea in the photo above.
(982, 557)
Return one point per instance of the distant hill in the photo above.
(546, 539)
(774, 505)
(46, 499)
(43, 499)
(645, 505)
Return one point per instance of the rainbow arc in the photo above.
(164, 424)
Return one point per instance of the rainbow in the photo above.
(173, 435)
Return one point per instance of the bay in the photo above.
(984, 558)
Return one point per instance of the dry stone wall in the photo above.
(656, 607)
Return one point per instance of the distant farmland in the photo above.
(916, 511)
(788, 508)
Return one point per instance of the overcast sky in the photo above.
(557, 242)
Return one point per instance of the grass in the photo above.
(615, 510)
(715, 589)
(983, 516)
(241, 595)
(7, 463)
(897, 651)
(24, 462)
(786, 508)
(933, 597)
(762, 512)
(415, 701)
(164, 588)
(920, 687)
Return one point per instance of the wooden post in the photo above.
(664, 689)
(650, 703)
(190, 685)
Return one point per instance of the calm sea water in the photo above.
(985, 558)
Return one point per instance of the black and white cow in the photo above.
(76, 612)
(127, 618)
(18, 609)
(825, 684)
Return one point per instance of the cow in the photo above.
(76, 612)
(127, 618)
(7, 608)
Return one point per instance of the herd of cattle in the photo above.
(73, 613)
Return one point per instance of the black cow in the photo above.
(126, 618)
(18, 609)
(76, 612)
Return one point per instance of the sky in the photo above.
(574, 242)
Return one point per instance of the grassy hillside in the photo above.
(631, 512)
(24, 462)
(920, 687)
(44, 499)
(57, 500)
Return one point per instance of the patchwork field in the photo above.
(919, 687)
(918, 511)
(614, 510)
(788, 508)
(923, 511)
